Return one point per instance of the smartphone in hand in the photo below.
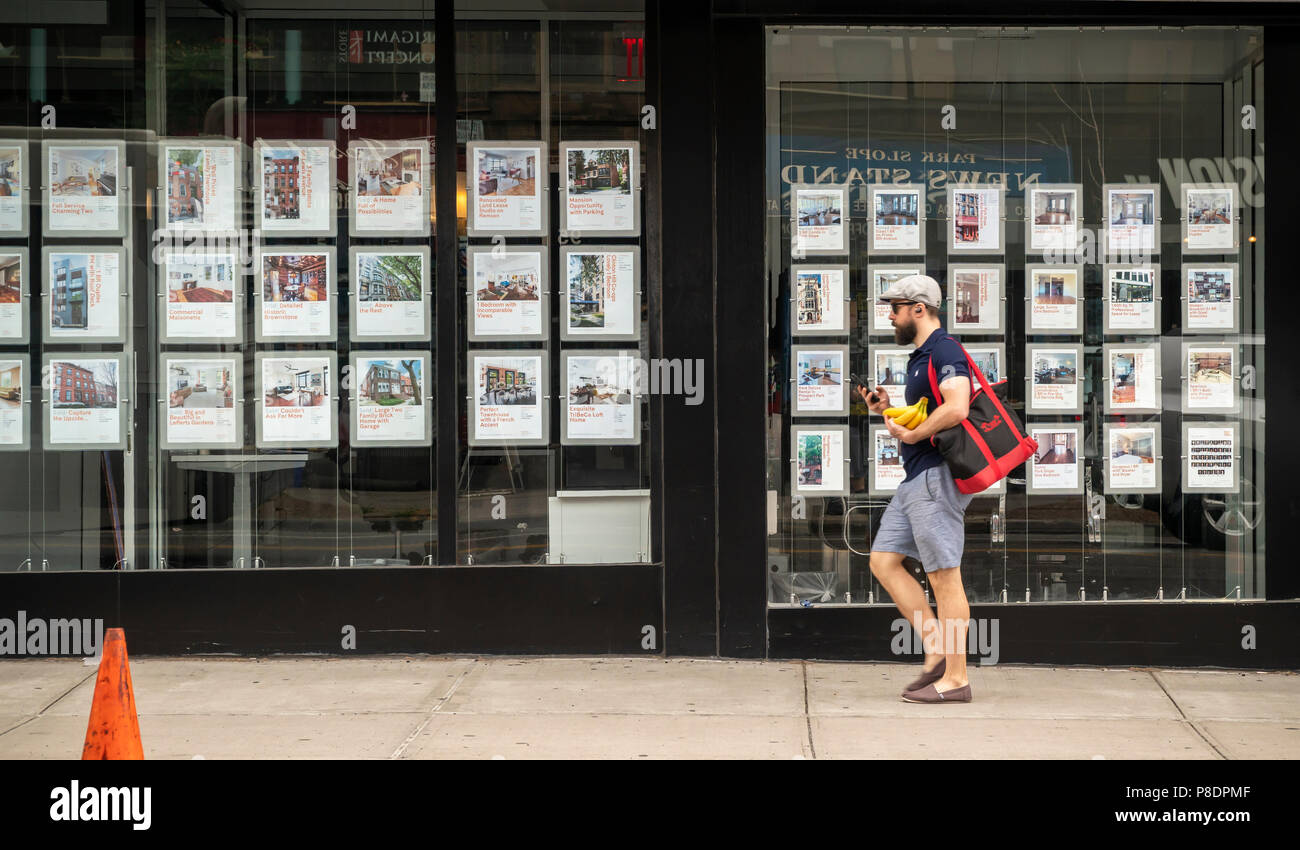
(858, 382)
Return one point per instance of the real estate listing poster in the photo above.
(819, 374)
(1054, 372)
(296, 287)
(1210, 218)
(989, 360)
(600, 188)
(1055, 467)
(297, 399)
(1211, 453)
(882, 277)
(507, 287)
(601, 298)
(819, 459)
(83, 183)
(200, 302)
(390, 290)
(295, 192)
(202, 401)
(391, 404)
(1132, 373)
(1055, 293)
(84, 401)
(1132, 214)
(84, 296)
(819, 300)
(1132, 462)
(507, 389)
(1211, 377)
(13, 296)
(14, 381)
(389, 187)
(818, 220)
(14, 191)
(1052, 212)
(507, 195)
(1210, 297)
(975, 304)
(886, 461)
(600, 403)
(975, 224)
(1132, 298)
(199, 187)
(889, 370)
(897, 219)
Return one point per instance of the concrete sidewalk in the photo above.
(412, 707)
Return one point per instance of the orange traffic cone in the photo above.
(114, 730)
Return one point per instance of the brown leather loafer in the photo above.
(928, 694)
(926, 678)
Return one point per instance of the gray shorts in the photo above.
(926, 520)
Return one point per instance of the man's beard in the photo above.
(905, 334)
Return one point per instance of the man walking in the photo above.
(926, 517)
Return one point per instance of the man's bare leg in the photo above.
(907, 594)
(954, 614)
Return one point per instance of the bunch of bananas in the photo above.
(911, 416)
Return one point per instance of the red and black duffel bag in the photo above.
(990, 442)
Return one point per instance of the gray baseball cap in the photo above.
(920, 288)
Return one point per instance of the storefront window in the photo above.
(1088, 201)
(218, 322)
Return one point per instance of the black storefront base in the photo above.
(559, 609)
(1110, 634)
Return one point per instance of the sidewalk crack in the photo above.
(1195, 728)
(443, 700)
(807, 717)
(52, 703)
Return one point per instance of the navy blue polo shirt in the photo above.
(949, 360)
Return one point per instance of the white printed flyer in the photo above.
(1211, 458)
(1211, 297)
(819, 220)
(507, 188)
(601, 298)
(297, 178)
(507, 397)
(975, 294)
(1210, 221)
(390, 288)
(600, 402)
(388, 187)
(1054, 381)
(819, 375)
(819, 459)
(1054, 298)
(1053, 213)
(200, 296)
(297, 294)
(1131, 212)
(83, 183)
(819, 300)
(85, 295)
(13, 397)
(83, 396)
(199, 187)
(1131, 459)
(391, 398)
(1056, 463)
(13, 187)
(1132, 373)
(296, 399)
(1131, 298)
(13, 285)
(1211, 377)
(975, 219)
(897, 216)
(599, 182)
(507, 289)
(887, 471)
(201, 407)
